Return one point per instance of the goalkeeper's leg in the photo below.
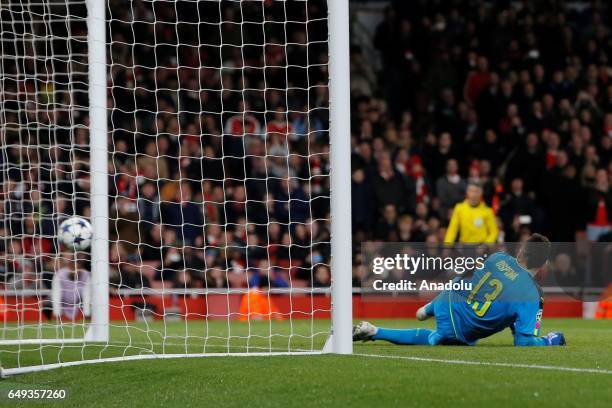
(366, 331)
(409, 337)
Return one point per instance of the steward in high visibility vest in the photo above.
(472, 220)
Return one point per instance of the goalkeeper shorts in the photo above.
(446, 332)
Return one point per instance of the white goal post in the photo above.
(96, 44)
(208, 143)
(340, 125)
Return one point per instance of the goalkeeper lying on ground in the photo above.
(504, 294)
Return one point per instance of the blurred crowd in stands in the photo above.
(219, 150)
(516, 96)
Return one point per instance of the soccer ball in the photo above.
(76, 233)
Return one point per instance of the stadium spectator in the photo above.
(362, 209)
(184, 214)
(386, 230)
(599, 207)
(450, 189)
(390, 187)
(518, 204)
(477, 80)
(148, 204)
(322, 277)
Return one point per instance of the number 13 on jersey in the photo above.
(493, 287)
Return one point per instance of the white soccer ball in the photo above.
(76, 233)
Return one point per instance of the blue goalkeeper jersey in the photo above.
(503, 295)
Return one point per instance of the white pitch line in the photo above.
(493, 364)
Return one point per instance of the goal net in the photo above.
(195, 136)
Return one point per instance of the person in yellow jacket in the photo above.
(473, 221)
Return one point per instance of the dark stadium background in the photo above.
(520, 98)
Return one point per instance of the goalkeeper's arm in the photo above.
(528, 340)
(526, 327)
(552, 339)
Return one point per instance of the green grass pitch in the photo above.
(323, 380)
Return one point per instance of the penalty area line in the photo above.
(490, 364)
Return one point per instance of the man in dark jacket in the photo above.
(599, 207)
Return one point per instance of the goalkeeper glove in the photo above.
(555, 339)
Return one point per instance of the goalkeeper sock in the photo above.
(404, 336)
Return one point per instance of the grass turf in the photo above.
(327, 379)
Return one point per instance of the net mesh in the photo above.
(218, 177)
(43, 158)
